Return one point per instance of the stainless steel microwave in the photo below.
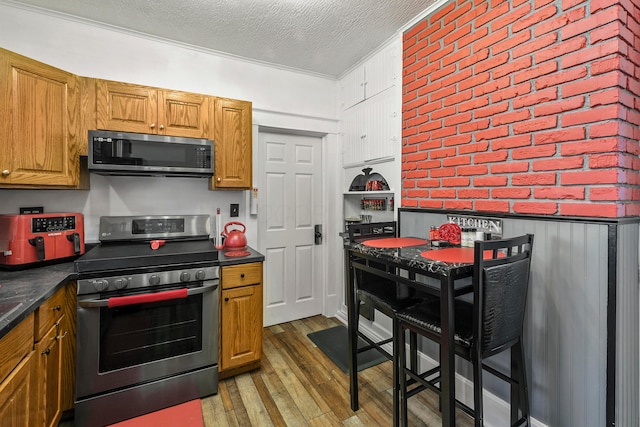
(121, 153)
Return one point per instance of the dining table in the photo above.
(417, 263)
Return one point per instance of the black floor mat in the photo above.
(334, 342)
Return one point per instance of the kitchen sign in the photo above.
(484, 224)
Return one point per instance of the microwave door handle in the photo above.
(146, 298)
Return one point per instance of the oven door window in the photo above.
(142, 333)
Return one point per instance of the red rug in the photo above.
(186, 414)
(394, 242)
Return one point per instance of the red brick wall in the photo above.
(524, 106)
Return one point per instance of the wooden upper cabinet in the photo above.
(232, 137)
(38, 131)
(127, 107)
(184, 114)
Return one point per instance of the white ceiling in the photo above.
(319, 36)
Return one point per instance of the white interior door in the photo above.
(291, 205)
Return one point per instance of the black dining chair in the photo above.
(381, 294)
(491, 324)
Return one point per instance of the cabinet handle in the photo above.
(161, 127)
(226, 299)
(152, 125)
(219, 179)
(242, 275)
(58, 336)
(6, 172)
(46, 352)
(56, 308)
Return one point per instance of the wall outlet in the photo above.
(234, 210)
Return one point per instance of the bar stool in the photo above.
(383, 295)
(491, 325)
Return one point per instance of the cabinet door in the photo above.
(241, 326)
(49, 351)
(354, 135)
(67, 332)
(183, 114)
(381, 70)
(232, 136)
(38, 130)
(18, 406)
(371, 130)
(126, 107)
(352, 89)
(383, 127)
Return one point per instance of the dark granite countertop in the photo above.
(23, 291)
(411, 257)
(254, 256)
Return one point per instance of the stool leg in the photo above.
(398, 343)
(477, 391)
(399, 369)
(413, 348)
(354, 355)
(522, 381)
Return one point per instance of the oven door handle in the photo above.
(146, 298)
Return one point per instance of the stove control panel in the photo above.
(147, 280)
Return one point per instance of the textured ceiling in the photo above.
(319, 36)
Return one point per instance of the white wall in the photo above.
(281, 98)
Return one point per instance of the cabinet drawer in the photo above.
(49, 313)
(15, 345)
(241, 275)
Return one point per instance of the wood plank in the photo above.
(237, 404)
(285, 369)
(254, 405)
(287, 407)
(268, 398)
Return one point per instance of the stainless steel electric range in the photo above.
(147, 317)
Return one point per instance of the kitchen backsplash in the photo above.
(119, 195)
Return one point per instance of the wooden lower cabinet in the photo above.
(18, 396)
(240, 318)
(18, 387)
(37, 364)
(49, 353)
(55, 349)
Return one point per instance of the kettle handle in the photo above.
(225, 232)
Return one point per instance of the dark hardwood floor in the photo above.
(298, 385)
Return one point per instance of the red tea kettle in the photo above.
(234, 239)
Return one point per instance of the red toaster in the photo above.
(38, 238)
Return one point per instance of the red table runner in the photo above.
(459, 255)
(394, 242)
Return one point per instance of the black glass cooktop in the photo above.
(108, 257)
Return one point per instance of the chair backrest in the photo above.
(359, 232)
(500, 281)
